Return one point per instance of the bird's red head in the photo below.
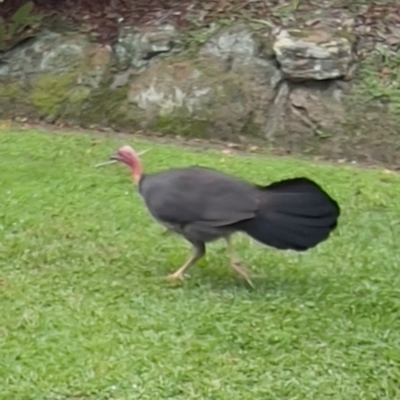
(128, 156)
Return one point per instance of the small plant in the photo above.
(18, 28)
(380, 78)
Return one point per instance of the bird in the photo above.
(203, 205)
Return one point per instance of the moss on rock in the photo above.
(11, 91)
(109, 107)
(50, 92)
(13, 100)
(61, 97)
(182, 125)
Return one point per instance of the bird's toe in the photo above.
(175, 278)
(242, 272)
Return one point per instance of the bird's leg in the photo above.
(198, 251)
(236, 265)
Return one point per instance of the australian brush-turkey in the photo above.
(204, 205)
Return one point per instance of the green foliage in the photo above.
(380, 78)
(13, 31)
(86, 314)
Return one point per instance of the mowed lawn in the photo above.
(86, 313)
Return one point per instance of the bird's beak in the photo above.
(114, 158)
(105, 163)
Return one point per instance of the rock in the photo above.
(238, 50)
(315, 55)
(136, 48)
(50, 52)
(57, 54)
(202, 97)
(53, 75)
(236, 44)
(95, 64)
(315, 109)
(167, 88)
(230, 88)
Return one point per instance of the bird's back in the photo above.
(198, 195)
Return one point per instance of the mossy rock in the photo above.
(13, 100)
(182, 125)
(51, 93)
(110, 107)
(11, 91)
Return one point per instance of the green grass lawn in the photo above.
(86, 312)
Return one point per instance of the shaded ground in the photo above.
(226, 149)
(86, 313)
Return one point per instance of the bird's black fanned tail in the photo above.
(294, 214)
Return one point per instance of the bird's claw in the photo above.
(175, 278)
(242, 272)
(249, 282)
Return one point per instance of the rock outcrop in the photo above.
(292, 89)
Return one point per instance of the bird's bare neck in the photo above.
(137, 175)
(136, 169)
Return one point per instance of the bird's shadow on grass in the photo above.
(301, 285)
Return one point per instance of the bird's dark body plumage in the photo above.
(199, 203)
(203, 205)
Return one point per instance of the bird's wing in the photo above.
(198, 195)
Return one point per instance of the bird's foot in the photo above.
(176, 277)
(242, 272)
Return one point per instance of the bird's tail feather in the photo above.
(294, 214)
